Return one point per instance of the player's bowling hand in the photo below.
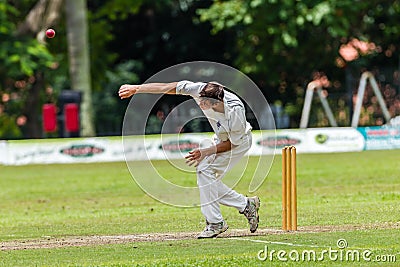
(127, 90)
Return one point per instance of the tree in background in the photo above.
(280, 44)
(25, 60)
(79, 62)
(35, 70)
(162, 34)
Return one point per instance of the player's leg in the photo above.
(208, 196)
(222, 164)
(248, 206)
(210, 208)
(229, 197)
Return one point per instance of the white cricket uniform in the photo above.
(230, 125)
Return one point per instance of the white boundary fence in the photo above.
(175, 146)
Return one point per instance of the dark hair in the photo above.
(213, 90)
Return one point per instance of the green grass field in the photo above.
(351, 196)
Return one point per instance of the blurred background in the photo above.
(67, 86)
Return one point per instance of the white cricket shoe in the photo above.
(251, 212)
(213, 229)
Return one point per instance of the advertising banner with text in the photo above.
(176, 146)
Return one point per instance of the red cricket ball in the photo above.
(50, 33)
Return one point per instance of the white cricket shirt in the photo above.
(231, 124)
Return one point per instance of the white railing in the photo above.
(311, 87)
(360, 95)
(316, 86)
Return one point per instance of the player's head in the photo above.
(211, 94)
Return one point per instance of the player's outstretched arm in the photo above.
(128, 90)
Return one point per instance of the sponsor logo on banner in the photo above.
(278, 141)
(179, 146)
(321, 138)
(82, 151)
(381, 137)
(383, 132)
(334, 140)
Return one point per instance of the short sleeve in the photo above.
(189, 88)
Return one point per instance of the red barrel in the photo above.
(49, 117)
(71, 117)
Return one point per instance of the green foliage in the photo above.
(22, 57)
(280, 44)
(109, 109)
(6, 26)
(285, 21)
(226, 14)
(118, 9)
(8, 127)
(102, 15)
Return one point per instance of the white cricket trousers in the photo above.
(213, 191)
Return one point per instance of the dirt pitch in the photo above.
(54, 242)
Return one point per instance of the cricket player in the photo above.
(226, 114)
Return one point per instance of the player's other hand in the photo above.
(127, 90)
(194, 157)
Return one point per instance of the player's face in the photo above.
(205, 103)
